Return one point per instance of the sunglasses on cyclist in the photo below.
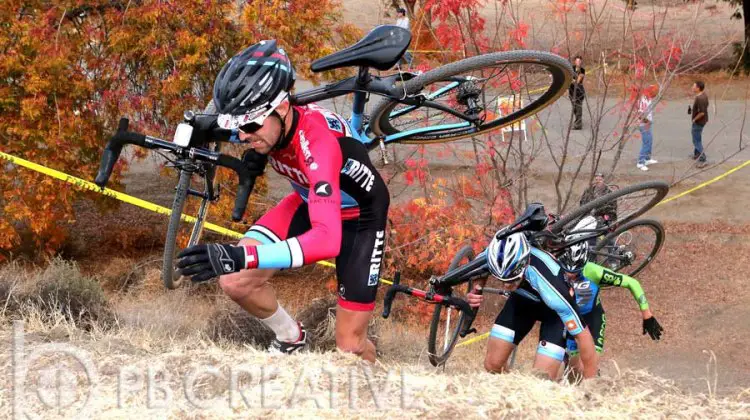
(250, 127)
(246, 123)
(252, 121)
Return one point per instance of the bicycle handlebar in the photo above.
(430, 297)
(122, 137)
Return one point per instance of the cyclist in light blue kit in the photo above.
(541, 294)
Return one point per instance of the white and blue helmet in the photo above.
(576, 256)
(508, 258)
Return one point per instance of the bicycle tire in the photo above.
(660, 191)
(439, 357)
(559, 68)
(652, 224)
(169, 275)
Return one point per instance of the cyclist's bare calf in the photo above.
(252, 291)
(351, 333)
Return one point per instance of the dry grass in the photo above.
(194, 378)
(173, 337)
(58, 289)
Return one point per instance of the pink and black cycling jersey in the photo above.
(331, 174)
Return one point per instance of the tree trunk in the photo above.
(746, 16)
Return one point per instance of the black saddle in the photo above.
(380, 49)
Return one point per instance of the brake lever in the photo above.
(390, 294)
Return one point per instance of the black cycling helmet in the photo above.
(254, 81)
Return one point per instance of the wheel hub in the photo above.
(468, 96)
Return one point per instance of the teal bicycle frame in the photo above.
(364, 84)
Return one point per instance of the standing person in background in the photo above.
(599, 188)
(403, 21)
(646, 116)
(699, 114)
(577, 92)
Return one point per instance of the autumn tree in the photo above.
(69, 69)
(742, 49)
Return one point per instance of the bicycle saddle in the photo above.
(380, 49)
(533, 219)
(536, 216)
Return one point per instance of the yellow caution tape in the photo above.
(88, 185)
(473, 340)
(709, 182)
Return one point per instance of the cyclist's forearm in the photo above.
(635, 289)
(601, 275)
(587, 353)
(646, 313)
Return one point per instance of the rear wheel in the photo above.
(630, 248)
(472, 96)
(446, 321)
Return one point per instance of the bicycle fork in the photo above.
(207, 196)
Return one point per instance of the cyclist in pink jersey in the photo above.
(338, 208)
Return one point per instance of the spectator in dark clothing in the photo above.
(599, 188)
(577, 92)
(699, 114)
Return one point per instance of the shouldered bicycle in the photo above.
(454, 101)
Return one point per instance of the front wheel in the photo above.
(446, 321)
(630, 248)
(473, 96)
(169, 273)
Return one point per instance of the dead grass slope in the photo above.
(158, 354)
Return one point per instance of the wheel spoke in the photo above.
(632, 248)
(486, 91)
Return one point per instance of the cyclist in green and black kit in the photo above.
(586, 278)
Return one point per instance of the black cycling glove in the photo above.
(206, 261)
(652, 327)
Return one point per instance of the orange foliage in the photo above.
(69, 69)
(307, 29)
(426, 234)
